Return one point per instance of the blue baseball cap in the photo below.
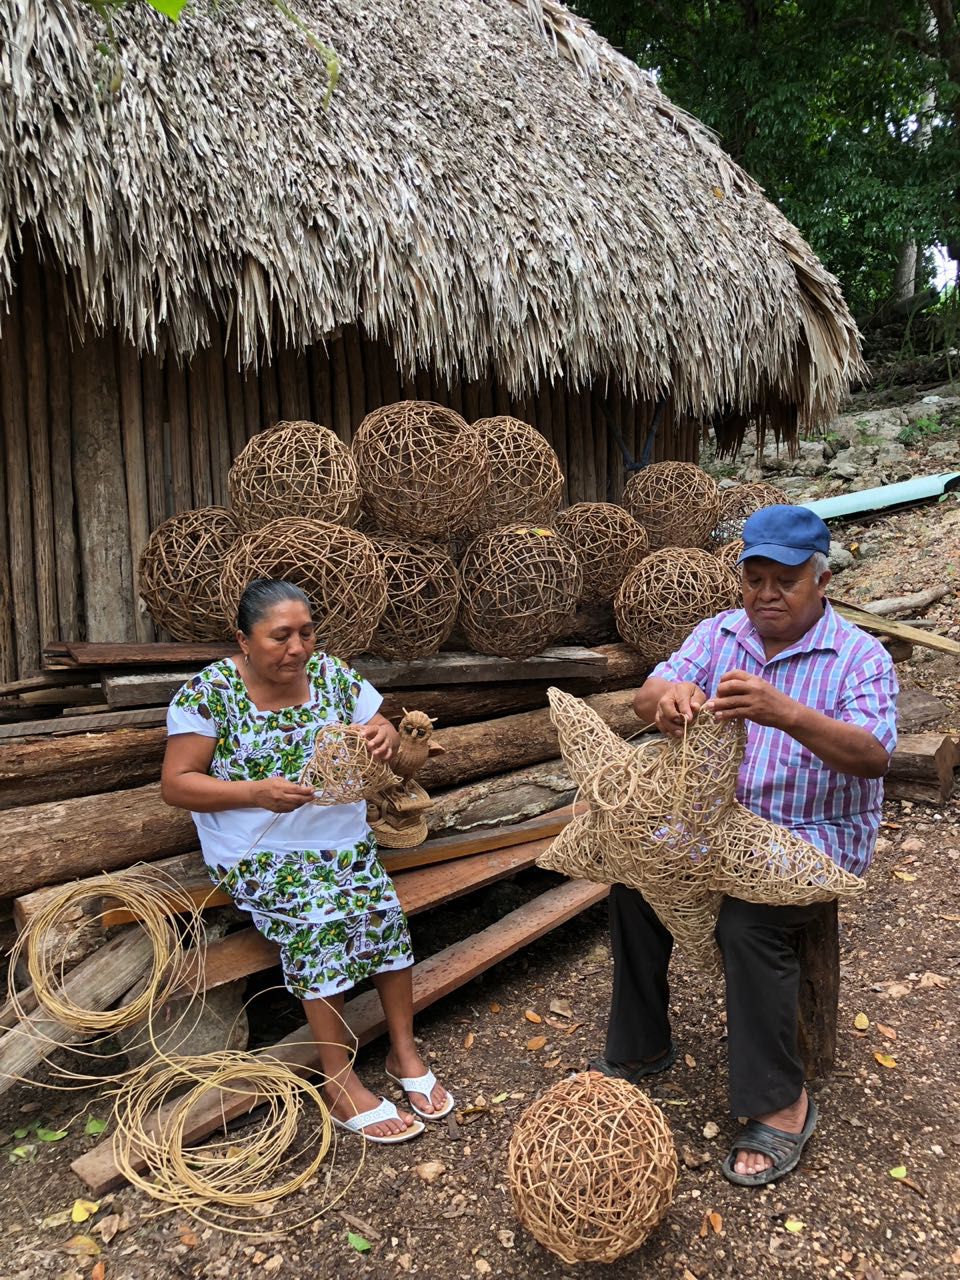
(789, 535)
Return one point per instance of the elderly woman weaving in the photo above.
(240, 733)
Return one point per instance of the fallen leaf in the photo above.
(561, 1008)
(405, 1262)
(108, 1227)
(906, 876)
(99, 1270)
(689, 1059)
(886, 1031)
(51, 1135)
(93, 1127)
(430, 1170)
(716, 1222)
(899, 1172)
(356, 1242)
(914, 1186)
(674, 1102)
(861, 1022)
(482, 1266)
(954, 919)
(574, 1026)
(258, 1257)
(927, 980)
(552, 1063)
(710, 1129)
(531, 1016)
(494, 1008)
(506, 1238)
(81, 1247)
(694, 1159)
(28, 1108)
(499, 1097)
(189, 1238)
(537, 1042)
(897, 989)
(83, 1209)
(55, 1220)
(886, 1060)
(26, 1151)
(276, 1262)
(468, 1040)
(21, 1132)
(794, 1224)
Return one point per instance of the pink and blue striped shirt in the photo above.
(835, 668)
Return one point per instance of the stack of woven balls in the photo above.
(428, 523)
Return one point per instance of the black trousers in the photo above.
(762, 971)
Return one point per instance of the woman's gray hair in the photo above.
(260, 596)
(819, 563)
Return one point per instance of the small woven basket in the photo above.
(663, 598)
(423, 595)
(592, 1168)
(338, 568)
(520, 588)
(607, 541)
(294, 469)
(422, 470)
(180, 570)
(676, 502)
(526, 482)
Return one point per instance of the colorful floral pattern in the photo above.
(334, 912)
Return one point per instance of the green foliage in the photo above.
(846, 112)
(919, 430)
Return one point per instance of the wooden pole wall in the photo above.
(57, 338)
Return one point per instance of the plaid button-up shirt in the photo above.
(835, 668)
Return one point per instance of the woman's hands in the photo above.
(381, 737)
(278, 795)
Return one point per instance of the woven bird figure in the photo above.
(415, 746)
(663, 818)
(398, 814)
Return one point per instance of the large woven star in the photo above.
(664, 819)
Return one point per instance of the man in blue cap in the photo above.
(819, 699)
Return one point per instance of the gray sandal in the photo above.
(784, 1149)
(623, 1071)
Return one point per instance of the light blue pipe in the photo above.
(919, 489)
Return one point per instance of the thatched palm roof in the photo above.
(491, 180)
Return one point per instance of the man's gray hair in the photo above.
(819, 563)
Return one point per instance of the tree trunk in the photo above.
(819, 949)
(508, 797)
(905, 274)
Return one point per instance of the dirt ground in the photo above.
(890, 1104)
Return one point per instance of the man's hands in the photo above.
(741, 696)
(677, 706)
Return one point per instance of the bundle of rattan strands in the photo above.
(526, 482)
(338, 568)
(592, 1168)
(423, 595)
(422, 469)
(295, 469)
(676, 502)
(663, 819)
(663, 598)
(180, 570)
(607, 541)
(239, 1180)
(342, 768)
(738, 503)
(519, 590)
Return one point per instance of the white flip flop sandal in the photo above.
(385, 1111)
(424, 1084)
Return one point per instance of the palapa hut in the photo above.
(494, 209)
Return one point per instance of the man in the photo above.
(819, 699)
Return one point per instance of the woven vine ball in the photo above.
(526, 482)
(607, 541)
(663, 598)
(422, 469)
(592, 1168)
(676, 502)
(294, 468)
(338, 568)
(342, 769)
(519, 589)
(423, 595)
(179, 573)
(740, 502)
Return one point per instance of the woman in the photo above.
(239, 734)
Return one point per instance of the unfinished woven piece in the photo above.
(676, 502)
(663, 598)
(423, 595)
(422, 470)
(338, 568)
(294, 469)
(526, 482)
(592, 1168)
(342, 769)
(179, 573)
(738, 504)
(608, 542)
(520, 588)
(663, 819)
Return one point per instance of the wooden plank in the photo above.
(38, 417)
(433, 979)
(40, 769)
(44, 680)
(342, 422)
(83, 724)
(468, 843)
(8, 649)
(135, 470)
(236, 417)
(321, 401)
(252, 412)
(154, 460)
(201, 480)
(889, 627)
(358, 390)
(180, 482)
(269, 395)
(19, 518)
(58, 400)
(389, 374)
(217, 416)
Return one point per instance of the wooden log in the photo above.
(26, 626)
(915, 602)
(269, 395)
(201, 477)
(236, 414)
(370, 361)
(39, 770)
(342, 421)
(153, 446)
(433, 979)
(38, 417)
(181, 490)
(358, 390)
(217, 420)
(95, 984)
(58, 400)
(293, 385)
(252, 413)
(389, 374)
(86, 723)
(108, 590)
(135, 469)
(922, 768)
(917, 709)
(8, 650)
(504, 799)
(819, 950)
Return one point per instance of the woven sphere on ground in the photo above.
(526, 482)
(338, 568)
(663, 598)
(607, 541)
(676, 502)
(738, 504)
(592, 1168)
(294, 469)
(421, 468)
(423, 595)
(519, 589)
(179, 573)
